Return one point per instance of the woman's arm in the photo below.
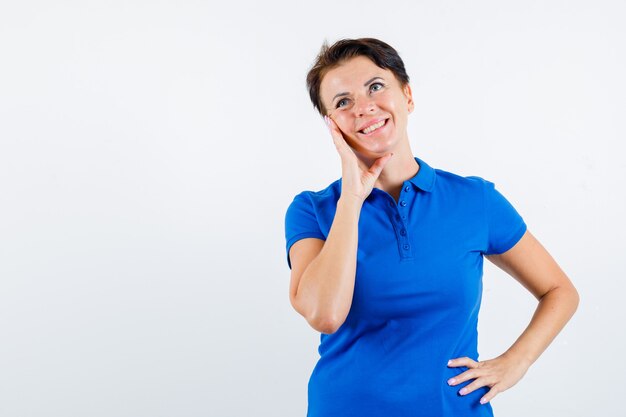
(530, 264)
(322, 287)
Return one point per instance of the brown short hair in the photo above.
(329, 57)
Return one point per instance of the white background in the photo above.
(149, 150)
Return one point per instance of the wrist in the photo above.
(518, 357)
(350, 201)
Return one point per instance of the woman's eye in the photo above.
(373, 86)
(341, 101)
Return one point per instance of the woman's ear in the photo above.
(409, 95)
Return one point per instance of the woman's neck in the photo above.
(399, 169)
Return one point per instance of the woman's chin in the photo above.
(380, 148)
(373, 154)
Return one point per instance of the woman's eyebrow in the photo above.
(364, 85)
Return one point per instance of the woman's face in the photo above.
(368, 105)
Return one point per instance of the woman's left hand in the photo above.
(499, 374)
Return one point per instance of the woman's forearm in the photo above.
(326, 286)
(554, 310)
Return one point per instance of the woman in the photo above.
(387, 261)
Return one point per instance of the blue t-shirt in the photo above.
(417, 295)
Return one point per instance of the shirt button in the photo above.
(403, 232)
(403, 203)
(406, 247)
(397, 217)
(407, 188)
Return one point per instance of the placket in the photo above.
(398, 214)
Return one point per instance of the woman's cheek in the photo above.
(350, 139)
(345, 135)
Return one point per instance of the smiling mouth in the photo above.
(373, 127)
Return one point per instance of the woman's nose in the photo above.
(364, 105)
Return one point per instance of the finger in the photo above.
(477, 383)
(338, 139)
(332, 128)
(378, 166)
(465, 376)
(490, 395)
(464, 361)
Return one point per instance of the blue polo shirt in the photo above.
(417, 295)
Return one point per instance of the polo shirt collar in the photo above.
(425, 177)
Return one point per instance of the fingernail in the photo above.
(450, 362)
(463, 391)
(451, 381)
(483, 401)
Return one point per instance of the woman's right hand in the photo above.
(357, 179)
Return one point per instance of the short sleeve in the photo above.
(301, 222)
(504, 224)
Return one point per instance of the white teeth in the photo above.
(373, 127)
